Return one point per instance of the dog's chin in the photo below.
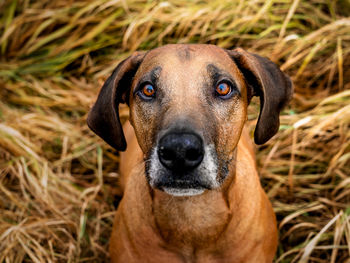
(183, 192)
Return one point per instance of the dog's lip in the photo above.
(183, 192)
(181, 184)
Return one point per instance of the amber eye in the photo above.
(148, 90)
(223, 89)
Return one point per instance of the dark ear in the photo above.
(267, 81)
(103, 117)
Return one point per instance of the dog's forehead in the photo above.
(190, 59)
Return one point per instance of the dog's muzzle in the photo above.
(182, 165)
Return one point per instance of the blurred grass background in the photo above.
(58, 180)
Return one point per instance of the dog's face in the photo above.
(188, 105)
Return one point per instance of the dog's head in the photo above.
(188, 105)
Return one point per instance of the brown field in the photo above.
(58, 181)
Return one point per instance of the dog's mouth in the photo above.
(181, 187)
(176, 187)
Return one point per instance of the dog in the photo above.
(191, 188)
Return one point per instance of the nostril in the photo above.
(167, 154)
(193, 154)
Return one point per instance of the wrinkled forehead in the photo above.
(187, 62)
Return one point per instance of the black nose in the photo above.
(180, 151)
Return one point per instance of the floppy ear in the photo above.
(103, 118)
(267, 81)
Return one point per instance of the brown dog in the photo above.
(191, 188)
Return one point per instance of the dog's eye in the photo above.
(147, 92)
(223, 89)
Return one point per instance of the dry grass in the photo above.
(58, 181)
